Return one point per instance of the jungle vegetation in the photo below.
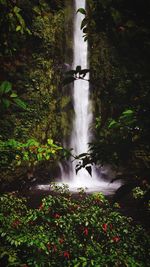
(36, 112)
(36, 52)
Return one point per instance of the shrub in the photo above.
(69, 231)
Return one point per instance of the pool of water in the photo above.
(106, 188)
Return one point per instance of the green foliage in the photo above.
(138, 192)
(84, 22)
(33, 64)
(82, 11)
(127, 119)
(120, 83)
(68, 231)
(119, 141)
(72, 75)
(34, 67)
(20, 21)
(15, 153)
(12, 22)
(9, 97)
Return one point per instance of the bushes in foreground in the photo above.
(69, 231)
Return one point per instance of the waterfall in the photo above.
(83, 115)
(81, 133)
(80, 136)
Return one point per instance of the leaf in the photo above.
(130, 24)
(82, 155)
(112, 124)
(116, 15)
(28, 31)
(71, 72)
(18, 28)
(89, 170)
(50, 141)
(85, 38)
(3, 234)
(68, 80)
(16, 9)
(32, 142)
(78, 69)
(85, 30)
(5, 87)
(82, 11)
(84, 72)
(20, 103)
(128, 112)
(78, 167)
(6, 103)
(82, 258)
(83, 23)
(13, 95)
(77, 264)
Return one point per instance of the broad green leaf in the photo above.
(47, 157)
(28, 31)
(18, 28)
(82, 11)
(20, 103)
(50, 141)
(13, 95)
(77, 264)
(12, 142)
(112, 124)
(3, 234)
(16, 9)
(128, 112)
(5, 87)
(6, 103)
(32, 142)
(82, 258)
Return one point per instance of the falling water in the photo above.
(81, 133)
(83, 116)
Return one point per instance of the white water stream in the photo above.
(81, 133)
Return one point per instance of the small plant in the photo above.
(29, 153)
(9, 97)
(138, 192)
